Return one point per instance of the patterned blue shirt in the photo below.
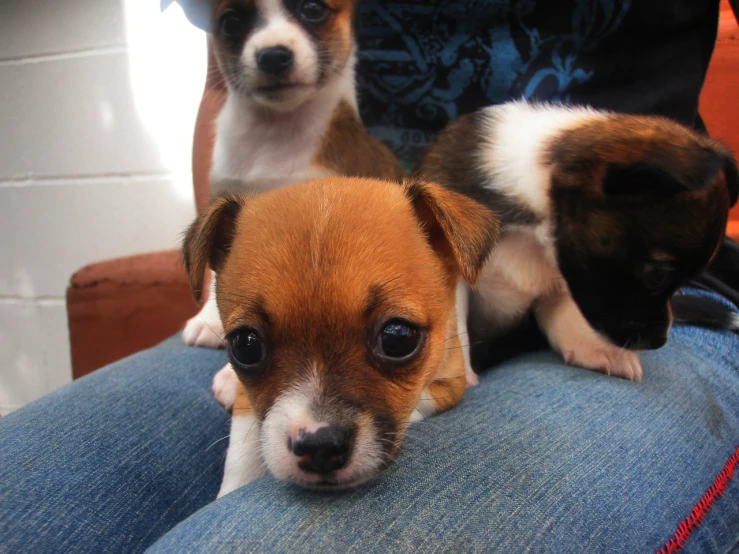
(422, 63)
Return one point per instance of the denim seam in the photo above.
(702, 507)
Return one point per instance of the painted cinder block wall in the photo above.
(97, 106)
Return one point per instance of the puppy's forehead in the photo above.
(341, 240)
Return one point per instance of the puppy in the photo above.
(291, 111)
(603, 217)
(339, 298)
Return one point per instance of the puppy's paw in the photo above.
(472, 379)
(226, 386)
(603, 357)
(205, 329)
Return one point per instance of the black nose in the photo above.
(275, 60)
(328, 449)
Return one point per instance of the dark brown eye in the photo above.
(313, 11)
(246, 349)
(231, 25)
(657, 278)
(398, 340)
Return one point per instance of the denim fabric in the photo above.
(113, 461)
(540, 457)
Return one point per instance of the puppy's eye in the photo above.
(398, 340)
(314, 11)
(246, 349)
(231, 25)
(656, 278)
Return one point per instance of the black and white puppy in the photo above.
(291, 110)
(603, 217)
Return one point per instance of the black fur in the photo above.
(704, 312)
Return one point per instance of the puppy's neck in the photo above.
(263, 148)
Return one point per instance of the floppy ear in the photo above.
(667, 173)
(197, 11)
(459, 228)
(208, 240)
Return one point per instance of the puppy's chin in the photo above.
(283, 98)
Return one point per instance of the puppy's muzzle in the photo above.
(326, 450)
(638, 335)
(275, 61)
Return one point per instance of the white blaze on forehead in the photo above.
(277, 28)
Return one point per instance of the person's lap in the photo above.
(539, 456)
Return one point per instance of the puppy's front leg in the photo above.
(462, 307)
(205, 329)
(449, 384)
(244, 462)
(570, 334)
(226, 387)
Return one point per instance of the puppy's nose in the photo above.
(275, 60)
(328, 449)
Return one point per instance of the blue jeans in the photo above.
(539, 457)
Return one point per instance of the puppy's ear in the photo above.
(667, 173)
(197, 11)
(208, 240)
(462, 230)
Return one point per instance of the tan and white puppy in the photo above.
(291, 111)
(603, 217)
(339, 301)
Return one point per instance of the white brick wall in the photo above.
(97, 106)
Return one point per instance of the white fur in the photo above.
(205, 328)
(244, 462)
(513, 146)
(522, 272)
(426, 406)
(262, 151)
(226, 386)
(461, 302)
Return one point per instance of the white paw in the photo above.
(205, 329)
(606, 358)
(472, 379)
(226, 386)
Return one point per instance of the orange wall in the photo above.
(719, 104)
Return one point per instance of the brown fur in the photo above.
(601, 222)
(348, 149)
(318, 267)
(208, 239)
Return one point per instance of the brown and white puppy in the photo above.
(603, 217)
(291, 111)
(339, 301)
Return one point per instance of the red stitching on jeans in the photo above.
(701, 509)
